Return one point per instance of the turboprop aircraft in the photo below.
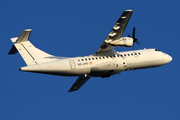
(103, 63)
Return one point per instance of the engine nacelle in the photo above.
(123, 42)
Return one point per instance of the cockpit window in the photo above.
(157, 50)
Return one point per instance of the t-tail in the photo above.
(28, 51)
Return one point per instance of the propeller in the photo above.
(133, 37)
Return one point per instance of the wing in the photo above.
(116, 32)
(79, 82)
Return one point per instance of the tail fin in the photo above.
(29, 53)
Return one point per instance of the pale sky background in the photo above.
(78, 28)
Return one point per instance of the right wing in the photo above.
(79, 82)
(116, 32)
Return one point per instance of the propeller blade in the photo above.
(133, 35)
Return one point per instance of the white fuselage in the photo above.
(102, 65)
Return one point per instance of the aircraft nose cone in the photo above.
(166, 59)
(169, 58)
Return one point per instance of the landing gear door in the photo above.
(72, 64)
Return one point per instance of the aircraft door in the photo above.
(124, 64)
(72, 64)
(120, 65)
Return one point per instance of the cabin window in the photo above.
(86, 59)
(110, 56)
(99, 57)
(125, 55)
(139, 53)
(92, 58)
(107, 56)
(117, 55)
(114, 55)
(96, 58)
(121, 55)
(103, 57)
(128, 54)
(89, 58)
(132, 54)
(82, 59)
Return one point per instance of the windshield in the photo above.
(157, 50)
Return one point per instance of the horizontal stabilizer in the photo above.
(13, 50)
(24, 36)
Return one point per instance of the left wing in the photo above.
(116, 32)
(79, 82)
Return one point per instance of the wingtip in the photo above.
(129, 10)
(71, 90)
(28, 30)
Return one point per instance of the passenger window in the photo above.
(132, 54)
(82, 59)
(110, 56)
(96, 58)
(139, 53)
(107, 56)
(128, 54)
(86, 59)
(92, 58)
(117, 55)
(103, 57)
(89, 58)
(99, 57)
(125, 55)
(121, 55)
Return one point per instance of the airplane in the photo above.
(104, 63)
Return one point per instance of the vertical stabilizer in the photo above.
(28, 51)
